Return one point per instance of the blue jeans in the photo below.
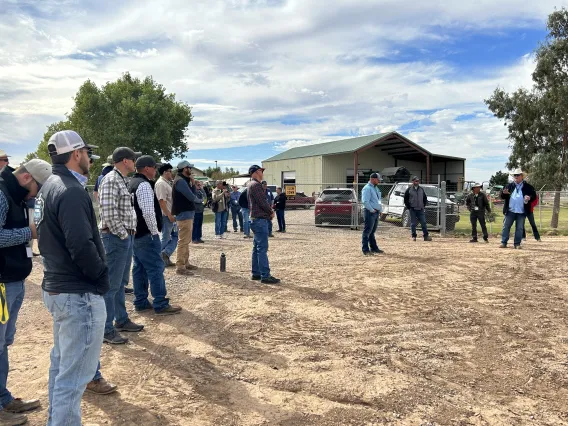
(260, 264)
(221, 222)
(237, 214)
(119, 259)
(536, 234)
(246, 221)
(78, 329)
(418, 215)
(269, 227)
(519, 220)
(149, 266)
(169, 236)
(197, 232)
(14, 297)
(281, 220)
(371, 223)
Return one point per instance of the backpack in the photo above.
(243, 199)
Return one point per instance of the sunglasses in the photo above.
(516, 175)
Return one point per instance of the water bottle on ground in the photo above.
(223, 263)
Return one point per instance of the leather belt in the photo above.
(129, 231)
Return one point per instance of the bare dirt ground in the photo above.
(440, 333)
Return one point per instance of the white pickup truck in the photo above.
(393, 206)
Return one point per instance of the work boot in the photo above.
(167, 262)
(129, 326)
(503, 245)
(413, 238)
(169, 310)
(190, 267)
(18, 405)
(184, 272)
(114, 338)
(101, 387)
(270, 280)
(12, 419)
(473, 240)
(428, 238)
(486, 239)
(517, 247)
(255, 277)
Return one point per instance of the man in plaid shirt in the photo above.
(118, 226)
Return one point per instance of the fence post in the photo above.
(540, 211)
(442, 205)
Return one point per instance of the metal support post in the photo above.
(442, 204)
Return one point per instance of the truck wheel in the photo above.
(405, 218)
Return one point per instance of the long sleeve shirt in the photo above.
(186, 191)
(235, 199)
(371, 198)
(11, 237)
(145, 197)
(116, 205)
(258, 204)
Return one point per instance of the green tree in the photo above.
(126, 112)
(499, 178)
(537, 119)
(217, 173)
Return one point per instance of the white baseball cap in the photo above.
(66, 141)
(39, 169)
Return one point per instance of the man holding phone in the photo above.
(518, 196)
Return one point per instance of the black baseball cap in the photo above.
(254, 168)
(164, 168)
(123, 152)
(145, 161)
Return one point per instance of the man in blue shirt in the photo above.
(236, 209)
(518, 197)
(371, 198)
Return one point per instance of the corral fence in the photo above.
(340, 205)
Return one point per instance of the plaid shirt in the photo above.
(259, 206)
(116, 205)
(145, 197)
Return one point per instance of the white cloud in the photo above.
(245, 64)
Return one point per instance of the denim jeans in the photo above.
(78, 329)
(237, 214)
(197, 232)
(119, 259)
(519, 220)
(269, 226)
(418, 215)
(226, 221)
(14, 297)
(149, 266)
(536, 234)
(246, 221)
(371, 223)
(169, 236)
(281, 220)
(260, 264)
(221, 222)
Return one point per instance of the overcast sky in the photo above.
(266, 75)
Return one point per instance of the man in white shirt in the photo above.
(148, 263)
(163, 190)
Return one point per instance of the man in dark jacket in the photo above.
(518, 196)
(16, 233)
(279, 208)
(148, 262)
(415, 200)
(477, 203)
(75, 275)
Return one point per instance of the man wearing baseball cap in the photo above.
(118, 226)
(261, 213)
(4, 159)
(107, 167)
(184, 198)
(16, 233)
(75, 275)
(148, 263)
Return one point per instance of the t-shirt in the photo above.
(163, 191)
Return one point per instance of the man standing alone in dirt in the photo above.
(261, 214)
(371, 198)
(16, 232)
(477, 203)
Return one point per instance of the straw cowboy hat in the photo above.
(517, 172)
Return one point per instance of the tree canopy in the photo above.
(499, 178)
(537, 118)
(218, 174)
(126, 112)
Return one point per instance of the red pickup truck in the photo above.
(299, 201)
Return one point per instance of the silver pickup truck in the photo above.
(393, 206)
